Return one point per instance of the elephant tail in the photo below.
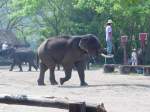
(37, 60)
(42, 49)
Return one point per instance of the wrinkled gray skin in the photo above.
(67, 51)
(23, 55)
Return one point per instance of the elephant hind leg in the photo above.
(12, 66)
(33, 63)
(20, 67)
(68, 71)
(52, 76)
(43, 69)
(29, 67)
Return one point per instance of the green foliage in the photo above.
(25, 7)
(45, 18)
(56, 17)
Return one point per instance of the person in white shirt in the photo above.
(134, 57)
(108, 31)
(4, 46)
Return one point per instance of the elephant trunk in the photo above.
(102, 50)
(103, 53)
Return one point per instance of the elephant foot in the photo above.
(36, 68)
(83, 84)
(40, 83)
(62, 81)
(10, 69)
(54, 83)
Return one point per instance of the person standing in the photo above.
(134, 57)
(108, 31)
(4, 45)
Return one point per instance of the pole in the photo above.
(125, 55)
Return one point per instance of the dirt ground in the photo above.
(119, 93)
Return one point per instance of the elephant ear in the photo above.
(83, 44)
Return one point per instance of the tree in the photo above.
(56, 17)
(50, 16)
(6, 22)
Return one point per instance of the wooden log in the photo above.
(34, 101)
(124, 69)
(52, 102)
(77, 107)
(98, 108)
(147, 70)
(108, 68)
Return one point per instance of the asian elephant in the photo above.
(20, 56)
(67, 51)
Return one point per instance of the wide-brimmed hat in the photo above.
(109, 21)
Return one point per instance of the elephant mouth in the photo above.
(104, 51)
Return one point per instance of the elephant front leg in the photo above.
(43, 68)
(68, 71)
(12, 66)
(52, 76)
(20, 67)
(29, 67)
(80, 69)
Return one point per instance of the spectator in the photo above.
(4, 45)
(108, 31)
(134, 57)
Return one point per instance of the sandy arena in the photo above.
(119, 93)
